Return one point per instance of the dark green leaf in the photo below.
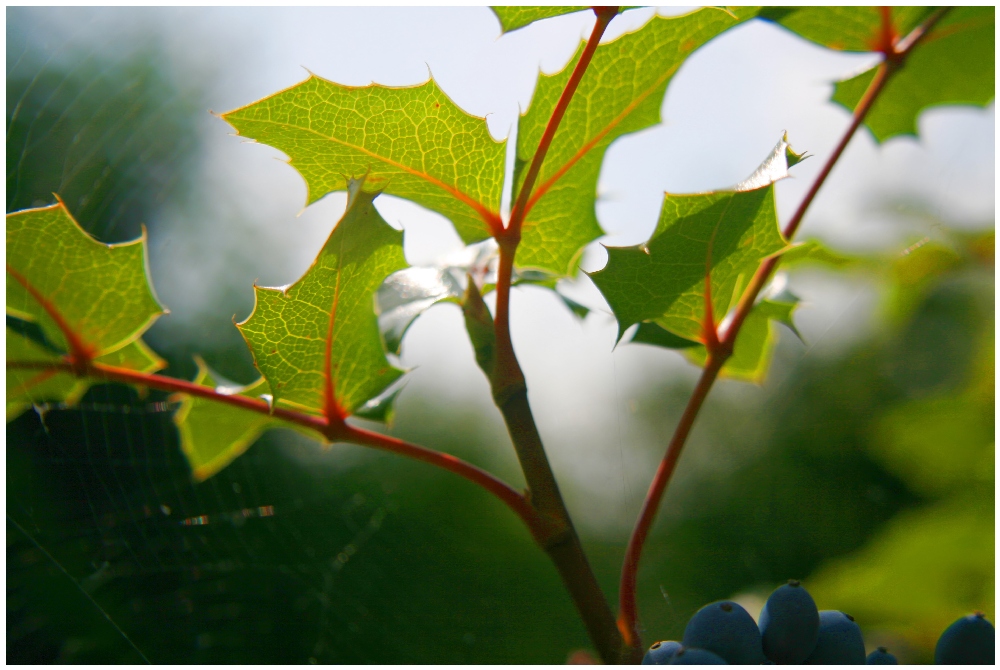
(728, 232)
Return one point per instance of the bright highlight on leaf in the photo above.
(622, 92)
(728, 232)
(412, 142)
(317, 341)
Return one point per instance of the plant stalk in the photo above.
(722, 348)
(510, 394)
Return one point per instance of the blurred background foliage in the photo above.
(869, 474)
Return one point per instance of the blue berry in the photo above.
(840, 641)
(692, 656)
(789, 624)
(881, 656)
(969, 641)
(726, 629)
(661, 652)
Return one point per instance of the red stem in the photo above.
(628, 616)
(604, 16)
(80, 353)
(335, 431)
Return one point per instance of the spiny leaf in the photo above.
(31, 387)
(100, 292)
(663, 280)
(512, 18)
(650, 333)
(213, 434)
(953, 65)
(413, 142)
(754, 345)
(755, 342)
(317, 341)
(845, 28)
(621, 93)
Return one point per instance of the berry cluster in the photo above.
(793, 631)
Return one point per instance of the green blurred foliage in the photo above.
(875, 482)
(108, 135)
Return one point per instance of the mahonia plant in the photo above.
(701, 284)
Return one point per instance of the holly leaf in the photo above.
(953, 65)
(74, 287)
(724, 234)
(213, 434)
(650, 333)
(412, 142)
(28, 387)
(513, 18)
(621, 92)
(317, 341)
(755, 343)
(845, 28)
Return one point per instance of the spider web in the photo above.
(114, 554)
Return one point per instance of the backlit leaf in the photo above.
(102, 292)
(317, 341)
(755, 343)
(413, 142)
(845, 28)
(213, 434)
(31, 387)
(622, 92)
(663, 280)
(512, 18)
(953, 65)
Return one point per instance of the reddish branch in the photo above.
(335, 431)
(80, 352)
(604, 16)
(895, 54)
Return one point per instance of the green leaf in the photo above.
(512, 18)
(953, 65)
(213, 434)
(924, 570)
(101, 292)
(31, 387)
(622, 92)
(844, 28)
(317, 341)
(412, 142)
(815, 253)
(730, 232)
(755, 343)
(650, 333)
